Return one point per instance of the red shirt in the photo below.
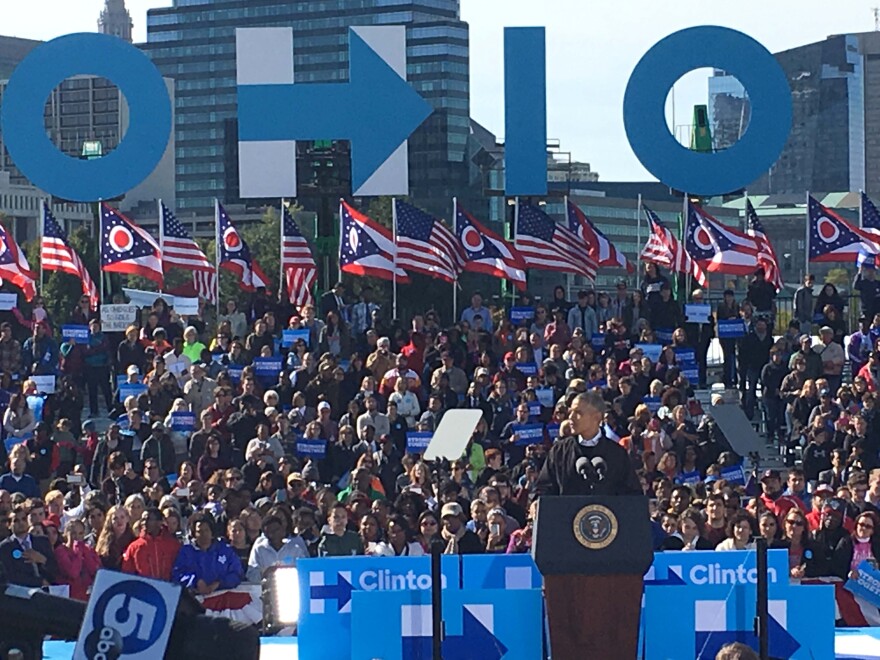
(151, 556)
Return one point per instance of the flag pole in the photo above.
(217, 239)
(161, 242)
(100, 256)
(861, 211)
(281, 260)
(682, 228)
(394, 270)
(44, 207)
(807, 237)
(639, 242)
(515, 227)
(455, 275)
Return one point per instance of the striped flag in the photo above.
(664, 249)
(235, 253)
(56, 254)
(601, 249)
(128, 249)
(205, 284)
(833, 239)
(180, 249)
(544, 244)
(486, 252)
(766, 253)
(425, 245)
(718, 248)
(366, 248)
(297, 262)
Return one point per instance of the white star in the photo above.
(222, 559)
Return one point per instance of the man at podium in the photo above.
(587, 463)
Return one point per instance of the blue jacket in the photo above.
(219, 562)
(26, 485)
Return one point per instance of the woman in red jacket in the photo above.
(153, 554)
(77, 562)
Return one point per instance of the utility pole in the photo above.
(876, 11)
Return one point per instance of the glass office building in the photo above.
(193, 42)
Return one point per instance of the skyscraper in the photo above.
(194, 43)
(115, 20)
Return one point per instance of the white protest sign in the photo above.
(116, 318)
(146, 298)
(185, 306)
(45, 384)
(8, 301)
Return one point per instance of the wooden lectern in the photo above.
(593, 553)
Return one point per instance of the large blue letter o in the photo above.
(645, 100)
(137, 155)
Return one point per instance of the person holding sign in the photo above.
(728, 310)
(97, 367)
(700, 333)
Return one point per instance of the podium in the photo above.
(593, 553)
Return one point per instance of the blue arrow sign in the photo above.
(376, 111)
(476, 641)
(781, 643)
(340, 592)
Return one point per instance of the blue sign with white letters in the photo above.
(521, 314)
(731, 329)
(290, 337)
(527, 369)
(183, 422)
(529, 434)
(235, 371)
(535, 408)
(314, 449)
(79, 333)
(326, 587)
(597, 341)
(867, 585)
(131, 389)
(267, 368)
(734, 474)
(417, 441)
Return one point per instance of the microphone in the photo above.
(600, 466)
(586, 469)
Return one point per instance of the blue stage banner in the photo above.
(516, 571)
(480, 624)
(267, 368)
(314, 449)
(289, 337)
(520, 314)
(731, 329)
(651, 351)
(528, 369)
(235, 371)
(734, 475)
(686, 355)
(417, 441)
(131, 389)
(529, 434)
(716, 568)
(183, 422)
(535, 408)
(597, 341)
(326, 587)
(79, 333)
(867, 585)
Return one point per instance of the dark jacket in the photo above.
(18, 571)
(843, 554)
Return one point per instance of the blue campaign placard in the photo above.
(867, 585)
(10, 441)
(267, 368)
(535, 408)
(731, 329)
(686, 355)
(553, 431)
(663, 335)
(521, 314)
(289, 337)
(487, 624)
(696, 622)
(183, 422)
(692, 373)
(688, 478)
(529, 434)
(597, 341)
(314, 449)
(326, 587)
(515, 571)
(417, 441)
(131, 389)
(79, 333)
(651, 351)
(545, 396)
(653, 403)
(716, 568)
(734, 475)
(527, 368)
(235, 371)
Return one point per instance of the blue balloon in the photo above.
(21, 117)
(707, 173)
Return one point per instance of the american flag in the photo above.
(766, 253)
(14, 266)
(871, 224)
(546, 245)
(601, 249)
(425, 245)
(180, 250)
(56, 254)
(297, 262)
(664, 249)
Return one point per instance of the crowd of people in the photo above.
(211, 471)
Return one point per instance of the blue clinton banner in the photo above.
(267, 368)
(314, 449)
(731, 329)
(131, 389)
(734, 475)
(867, 584)
(289, 337)
(529, 434)
(183, 422)
(528, 369)
(520, 314)
(235, 371)
(79, 333)
(417, 441)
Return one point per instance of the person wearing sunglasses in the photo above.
(863, 544)
(796, 537)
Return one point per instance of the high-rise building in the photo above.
(194, 43)
(115, 20)
(834, 143)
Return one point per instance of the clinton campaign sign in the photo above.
(128, 617)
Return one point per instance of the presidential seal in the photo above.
(595, 527)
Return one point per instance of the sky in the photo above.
(592, 47)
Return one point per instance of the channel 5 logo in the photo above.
(22, 112)
(125, 618)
